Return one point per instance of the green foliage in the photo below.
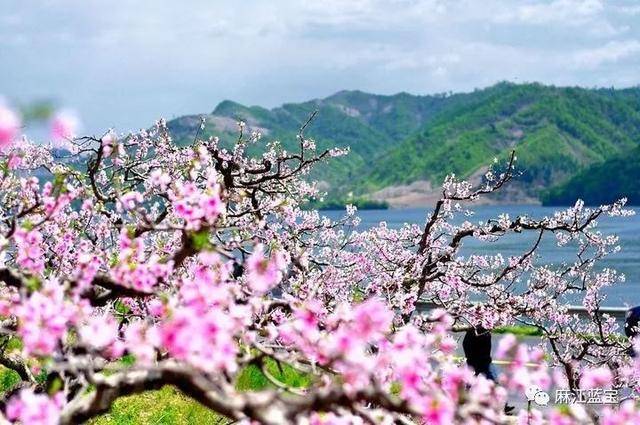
(128, 360)
(8, 379)
(200, 240)
(14, 343)
(121, 307)
(38, 111)
(362, 203)
(555, 132)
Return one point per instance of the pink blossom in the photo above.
(14, 161)
(142, 341)
(196, 206)
(203, 340)
(43, 319)
(99, 331)
(30, 408)
(159, 179)
(156, 307)
(626, 414)
(30, 252)
(600, 377)
(505, 345)
(134, 269)
(130, 200)
(82, 295)
(372, 319)
(309, 315)
(87, 267)
(437, 411)
(211, 205)
(454, 380)
(64, 126)
(108, 141)
(263, 273)
(54, 204)
(447, 344)
(9, 126)
(534, 417)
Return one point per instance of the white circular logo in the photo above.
(539, 397)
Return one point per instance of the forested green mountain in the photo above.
(557, 132)
(601, 183)
(369, 124)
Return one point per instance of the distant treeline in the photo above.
(339, 204)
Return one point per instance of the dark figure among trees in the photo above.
(631, 322)
(477, 350)
(631, 326)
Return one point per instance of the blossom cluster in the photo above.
(198, 261)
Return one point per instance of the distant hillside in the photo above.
(602, 183)
(403, 145)
(368, 124)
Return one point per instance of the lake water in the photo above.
(627, 261)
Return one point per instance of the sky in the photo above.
(126, 63)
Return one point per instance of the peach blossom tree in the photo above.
(197, 262)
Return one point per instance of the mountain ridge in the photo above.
(400, 139)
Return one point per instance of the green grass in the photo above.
(8, 379)
(169, 406)
(523, 330)
(518, 330)
(252, 379)
(165, 406)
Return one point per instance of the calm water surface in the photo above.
(627, 261)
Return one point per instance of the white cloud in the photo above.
(409, 61)
(569, 12)
(10, 20)
(150, 58)
(631, 10)
(611, 52)
(369, 12)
